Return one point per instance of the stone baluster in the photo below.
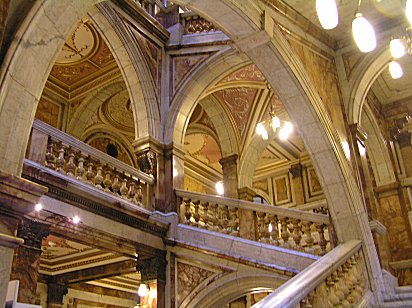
(338, 288)
(131, 194)
(188, 214)
(60, 158)
(107, 182)
(196, 215)
(333, 299)
(98, 179)
(306, 228)
(343, 287)
(234, 221)
(297, 233)
(115, 184)
(321, 296)
(225, 218)
(80, 168)
(205, 214)
(350, 281)
(274, 232)
(123, 188)
(322, 241)
(89, 172)
(139, 194)
(261, 226)
(50, 157)
(284, 231)
(70, 166)
(215, 217)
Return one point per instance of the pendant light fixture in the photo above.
(363, 32)
(397, 48)
(327, 11)
(395, 69)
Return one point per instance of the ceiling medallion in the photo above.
(81, 44)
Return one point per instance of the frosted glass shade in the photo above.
(327, 13)
(408, 9)
(397, 48)
(363, 33)
(395, 69)
(143, 290)
(220, 190)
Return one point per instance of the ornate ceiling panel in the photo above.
(246, 73)
(204, 148)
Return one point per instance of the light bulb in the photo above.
(260, 128)
(408, 9)
(397, 48)
(275, 122)
(327, 13)
(395, 69)
(219, 188)
(38, 207)
(288, 127)
(283, 134)
(76, 220)
(265, 135)
(142, 291)
(363, 33)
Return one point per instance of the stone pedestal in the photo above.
(247, 219)
(230, 180)
(17, 198)
(26, 260)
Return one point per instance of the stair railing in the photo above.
(288, 228)
(336, 280)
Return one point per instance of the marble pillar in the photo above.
(55, 295)
(296, 171)
(154, 270)
(247, 219)
(404, 141)
(26, 259)
(166, 164)
(17, 198)
(230, 179)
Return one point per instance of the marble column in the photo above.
(18, 197)
(404, 141)
(26, 259)
(299, 194)
(230, 179)
(154, 269)
(247, 219)
(166, 164)
(55, 294)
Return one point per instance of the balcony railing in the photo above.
(288, 228)
(69, 156)
(336, 280)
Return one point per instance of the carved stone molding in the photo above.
(147, 161)
(32, 232)
(152, 269)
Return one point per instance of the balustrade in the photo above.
(336, 280)
(288, 228)
(79, 161)
(196, 24)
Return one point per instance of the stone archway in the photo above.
(273, 56)
(231, 287)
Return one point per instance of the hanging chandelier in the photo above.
(364, 34)
(274, 123)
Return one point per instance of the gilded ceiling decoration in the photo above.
(204, 148)
(239, 102)
(56, 247)
(199, 116)
(246, 73)
(118, 111)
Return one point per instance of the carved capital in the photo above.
(147, 161)
(246, 193)
(32, 232)
(229, 161)
(404, 138)
(296, 170)
(152, 269)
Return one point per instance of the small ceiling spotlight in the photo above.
(143, 290)
(38, 207)
(220, 190)
(76, 219)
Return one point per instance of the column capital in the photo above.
(296, 170)
(229, 160)
(246, 193)
(151, 269)
(404, 138)
(33, 233)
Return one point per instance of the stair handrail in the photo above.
(291, 293)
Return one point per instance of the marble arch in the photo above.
(231, 287)
(24, 74)
(272, 54)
